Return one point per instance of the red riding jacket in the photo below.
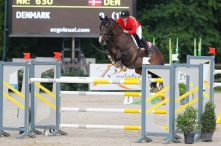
(131, 24)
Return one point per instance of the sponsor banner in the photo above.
(110, 72)
(206, 70)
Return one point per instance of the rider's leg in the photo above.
(143, 42)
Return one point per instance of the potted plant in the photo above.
(208, 121)
(187, 122)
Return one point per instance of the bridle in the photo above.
(102, 33)
(110, 30)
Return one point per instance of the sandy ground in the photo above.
(100, 137)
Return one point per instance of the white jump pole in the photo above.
(66, 109)
(217, 71)
(131, 111)
(93, 81)
(88, 93)
(216, 84)
(120, 127)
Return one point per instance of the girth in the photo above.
(135, 59)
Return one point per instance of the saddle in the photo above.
(138, 42)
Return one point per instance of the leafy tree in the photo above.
(185, 19)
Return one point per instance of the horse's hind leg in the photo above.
(138, 70)
(154, 87)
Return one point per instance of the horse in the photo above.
(123, 52)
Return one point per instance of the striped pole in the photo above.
(159, 111)
(124, 127)
(89, 93)
(93, 81)
(66, 109)
(129, 111)
(99, 78)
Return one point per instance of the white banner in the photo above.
(110, 72)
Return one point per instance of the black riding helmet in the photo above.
(124, 14)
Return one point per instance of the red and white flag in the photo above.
(94, 2)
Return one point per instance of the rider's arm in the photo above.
(133, 26)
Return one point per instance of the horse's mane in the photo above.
(116, 23)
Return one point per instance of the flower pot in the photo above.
(207, 137)
(189, 138)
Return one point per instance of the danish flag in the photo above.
(94, 2)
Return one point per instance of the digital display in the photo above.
(62, 18)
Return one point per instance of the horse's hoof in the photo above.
(115, 65)
(124, 68)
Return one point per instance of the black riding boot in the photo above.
(144, 43)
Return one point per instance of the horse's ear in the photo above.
(101, 18)
(107, 19)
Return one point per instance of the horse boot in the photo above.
(144, 43)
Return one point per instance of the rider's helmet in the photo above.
(124, 14)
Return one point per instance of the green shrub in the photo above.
(182, 85)
(187, 121)
(208, 118)
(182, 91)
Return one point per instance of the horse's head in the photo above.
(105, 30)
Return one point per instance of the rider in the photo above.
(131, 26)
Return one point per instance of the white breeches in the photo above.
(139, 32)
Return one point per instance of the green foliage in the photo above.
(184, 19)
(187, 121)
(66, 87)
(182, 91)
(182, 85)
(74, 87)
(182, 88)
(208, 118)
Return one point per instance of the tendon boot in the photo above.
(147, 49)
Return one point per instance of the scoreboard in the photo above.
(62, 18)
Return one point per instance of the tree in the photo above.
(185, 19)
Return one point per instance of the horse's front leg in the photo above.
(115, 64)
(118, 61)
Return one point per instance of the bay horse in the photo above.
(123, 52)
